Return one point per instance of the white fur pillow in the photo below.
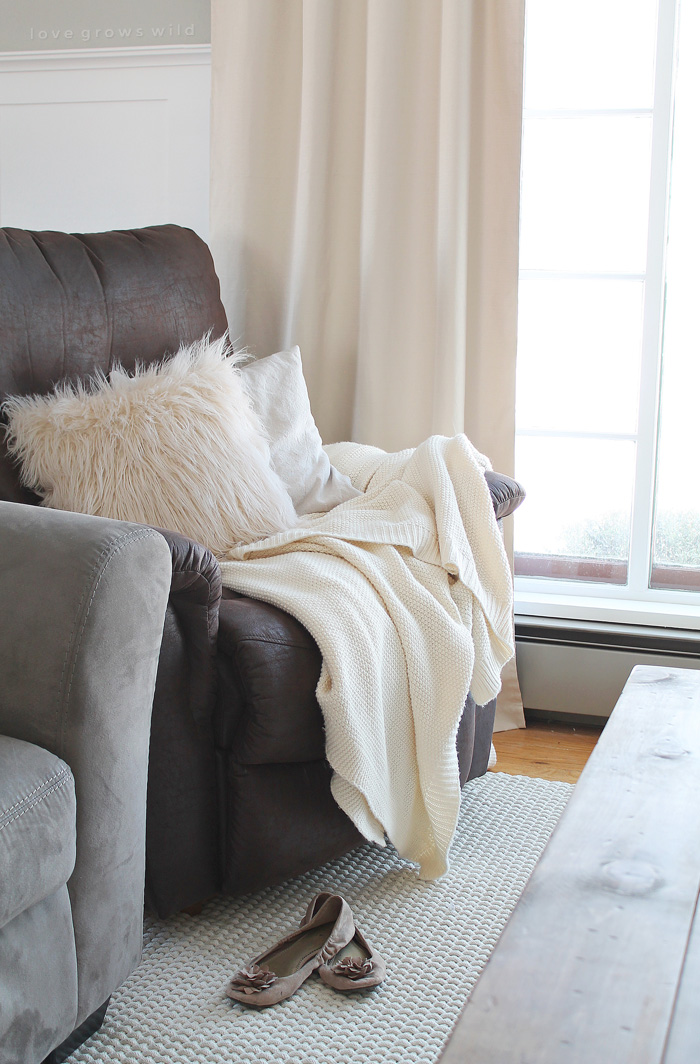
(177, 445)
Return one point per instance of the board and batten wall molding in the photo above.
(97, 139)
(100, 58)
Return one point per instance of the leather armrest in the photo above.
(269, 669)
(506, 493)
(195, 595)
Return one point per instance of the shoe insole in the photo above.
(291, 958)
(354, 950)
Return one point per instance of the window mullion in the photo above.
(642, 514)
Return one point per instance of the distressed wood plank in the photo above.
(684, 1036)
(586, 970)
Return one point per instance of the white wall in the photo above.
(106, 138)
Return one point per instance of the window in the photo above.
(607, 411)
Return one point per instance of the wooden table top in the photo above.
(600, 961)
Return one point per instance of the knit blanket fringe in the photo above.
(408, 593)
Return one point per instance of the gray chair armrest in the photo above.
(83, 601)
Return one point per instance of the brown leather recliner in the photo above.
(238, 792)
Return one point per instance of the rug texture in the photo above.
(435, 937)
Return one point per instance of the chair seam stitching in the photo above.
(59, 772)
(39, 798)
(198, 573)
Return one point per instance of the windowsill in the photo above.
(613, 611)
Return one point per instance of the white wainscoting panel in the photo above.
(98, 141)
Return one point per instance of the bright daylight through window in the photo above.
(608, 429)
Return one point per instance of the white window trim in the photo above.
(634, 602)
(641, 534)
(577, 602)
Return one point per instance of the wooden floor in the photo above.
(548, 751)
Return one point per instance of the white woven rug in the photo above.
(435, 938)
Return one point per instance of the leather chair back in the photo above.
(71, 304)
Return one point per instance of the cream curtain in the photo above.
(364, 205)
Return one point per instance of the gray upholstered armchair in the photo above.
(82, 604)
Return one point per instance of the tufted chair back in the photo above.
(71, 304)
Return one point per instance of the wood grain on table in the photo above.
(594, 965)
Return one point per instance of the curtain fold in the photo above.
(364, 205)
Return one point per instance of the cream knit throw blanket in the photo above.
(407, 591)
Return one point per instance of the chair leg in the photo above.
(87, 1028)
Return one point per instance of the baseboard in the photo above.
(576, 670)
(584, 720)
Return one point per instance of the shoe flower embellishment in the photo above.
(354, 967)
(253, 979)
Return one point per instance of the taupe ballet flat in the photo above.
(280, 971)
(354, 967)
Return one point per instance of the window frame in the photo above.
(634, 600)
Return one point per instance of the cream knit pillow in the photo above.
(176, 445)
